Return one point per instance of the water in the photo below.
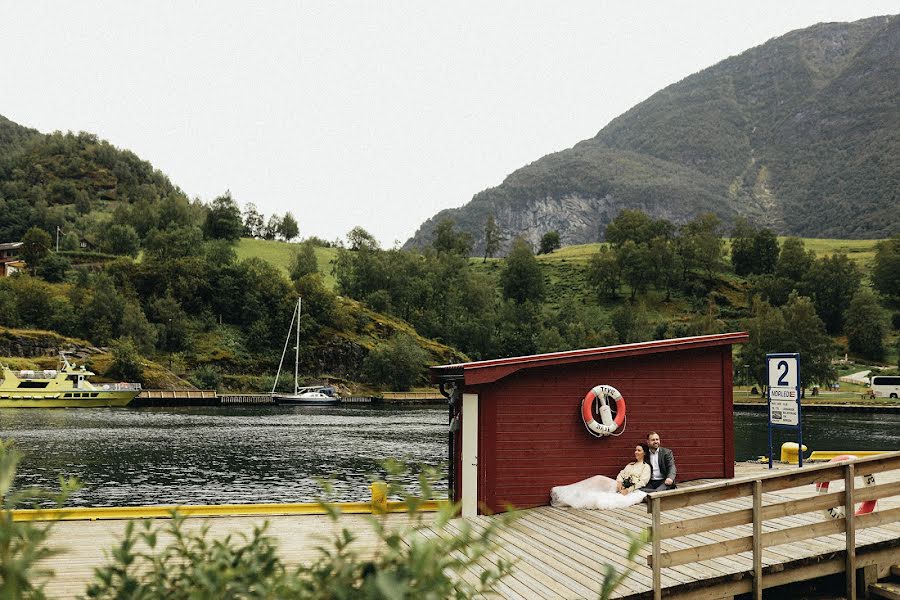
(131, 457)
(821, 431)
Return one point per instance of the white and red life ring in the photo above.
(837, 512)
(607, 425)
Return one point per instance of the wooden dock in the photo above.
(559, 553)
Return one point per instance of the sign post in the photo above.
(783, 378)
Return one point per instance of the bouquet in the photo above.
(627, 482)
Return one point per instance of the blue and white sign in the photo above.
(783, 379)
(784, 389)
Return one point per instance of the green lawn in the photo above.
(281, 254)
(568, 260)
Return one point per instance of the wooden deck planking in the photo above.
(558, 552)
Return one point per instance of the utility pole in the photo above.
(57, 238)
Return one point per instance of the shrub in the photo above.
(407, 564)
(398, 363)
(23, 544)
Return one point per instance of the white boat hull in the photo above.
(309, 399)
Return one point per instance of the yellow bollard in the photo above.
(790, 454)
(379, 497)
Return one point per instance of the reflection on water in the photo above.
(221, 455)
(128, 457)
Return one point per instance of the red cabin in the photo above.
(517, 427)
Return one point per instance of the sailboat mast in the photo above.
(297, 347)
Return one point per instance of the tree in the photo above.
(358, 238)
(794, 260)
(549, 242)
(831, 282)
(632, 324)
(491, 237)
(793, 328)
(121, 239)
(126, 364)
(449, 240)
(701, 244)
(866, 326)
(253, 221)
(273, 226)
(173, 243)
(805, 333)
(742, 247)
(397, 363)
(765, 251)
(521, 278)
(223, 221)
(137, 329)
(604, 272)
(636, 265)
(53, 268)
(773, 289)
(886, 273)
(36, 243)
(635, 225)
(289, 228)
(304, 262)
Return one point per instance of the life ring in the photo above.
(837, 512)
(607, 424)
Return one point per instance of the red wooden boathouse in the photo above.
(517, 429)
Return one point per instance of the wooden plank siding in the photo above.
(531, 436)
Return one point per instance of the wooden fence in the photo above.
(760, 517)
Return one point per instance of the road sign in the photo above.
(783, 378)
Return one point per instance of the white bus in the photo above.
(884, 386)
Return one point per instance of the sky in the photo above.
(372, 114)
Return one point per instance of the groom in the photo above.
(662, 466)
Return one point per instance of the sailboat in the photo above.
(302, 395)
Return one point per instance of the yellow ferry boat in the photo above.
(68, 386)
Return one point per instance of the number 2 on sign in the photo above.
(782, 380)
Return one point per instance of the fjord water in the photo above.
(207, 455)
(129, 457)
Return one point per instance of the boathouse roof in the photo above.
(487, 371)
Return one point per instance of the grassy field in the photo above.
(281, 254)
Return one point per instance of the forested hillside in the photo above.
(178, 288)
(155, 275)
(800, 134)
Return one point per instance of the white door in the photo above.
(469, 455)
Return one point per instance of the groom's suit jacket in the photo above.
(666, 463)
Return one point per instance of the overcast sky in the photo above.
(376, 114)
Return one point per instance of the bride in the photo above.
(602, 492)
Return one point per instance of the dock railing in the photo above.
(758, 515)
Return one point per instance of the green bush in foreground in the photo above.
(409, 562)
(416, 556)
(24, 544)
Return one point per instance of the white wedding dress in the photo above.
(597, 492)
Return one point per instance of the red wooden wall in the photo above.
(531, 436)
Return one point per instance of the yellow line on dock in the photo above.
(212, 510)
(829, 454)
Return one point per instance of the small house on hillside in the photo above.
(517, 426)
(9, 258)
(86, 245)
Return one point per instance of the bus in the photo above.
(884, 386)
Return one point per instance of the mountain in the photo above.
(800, 134)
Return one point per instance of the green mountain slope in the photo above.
(801, 134)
